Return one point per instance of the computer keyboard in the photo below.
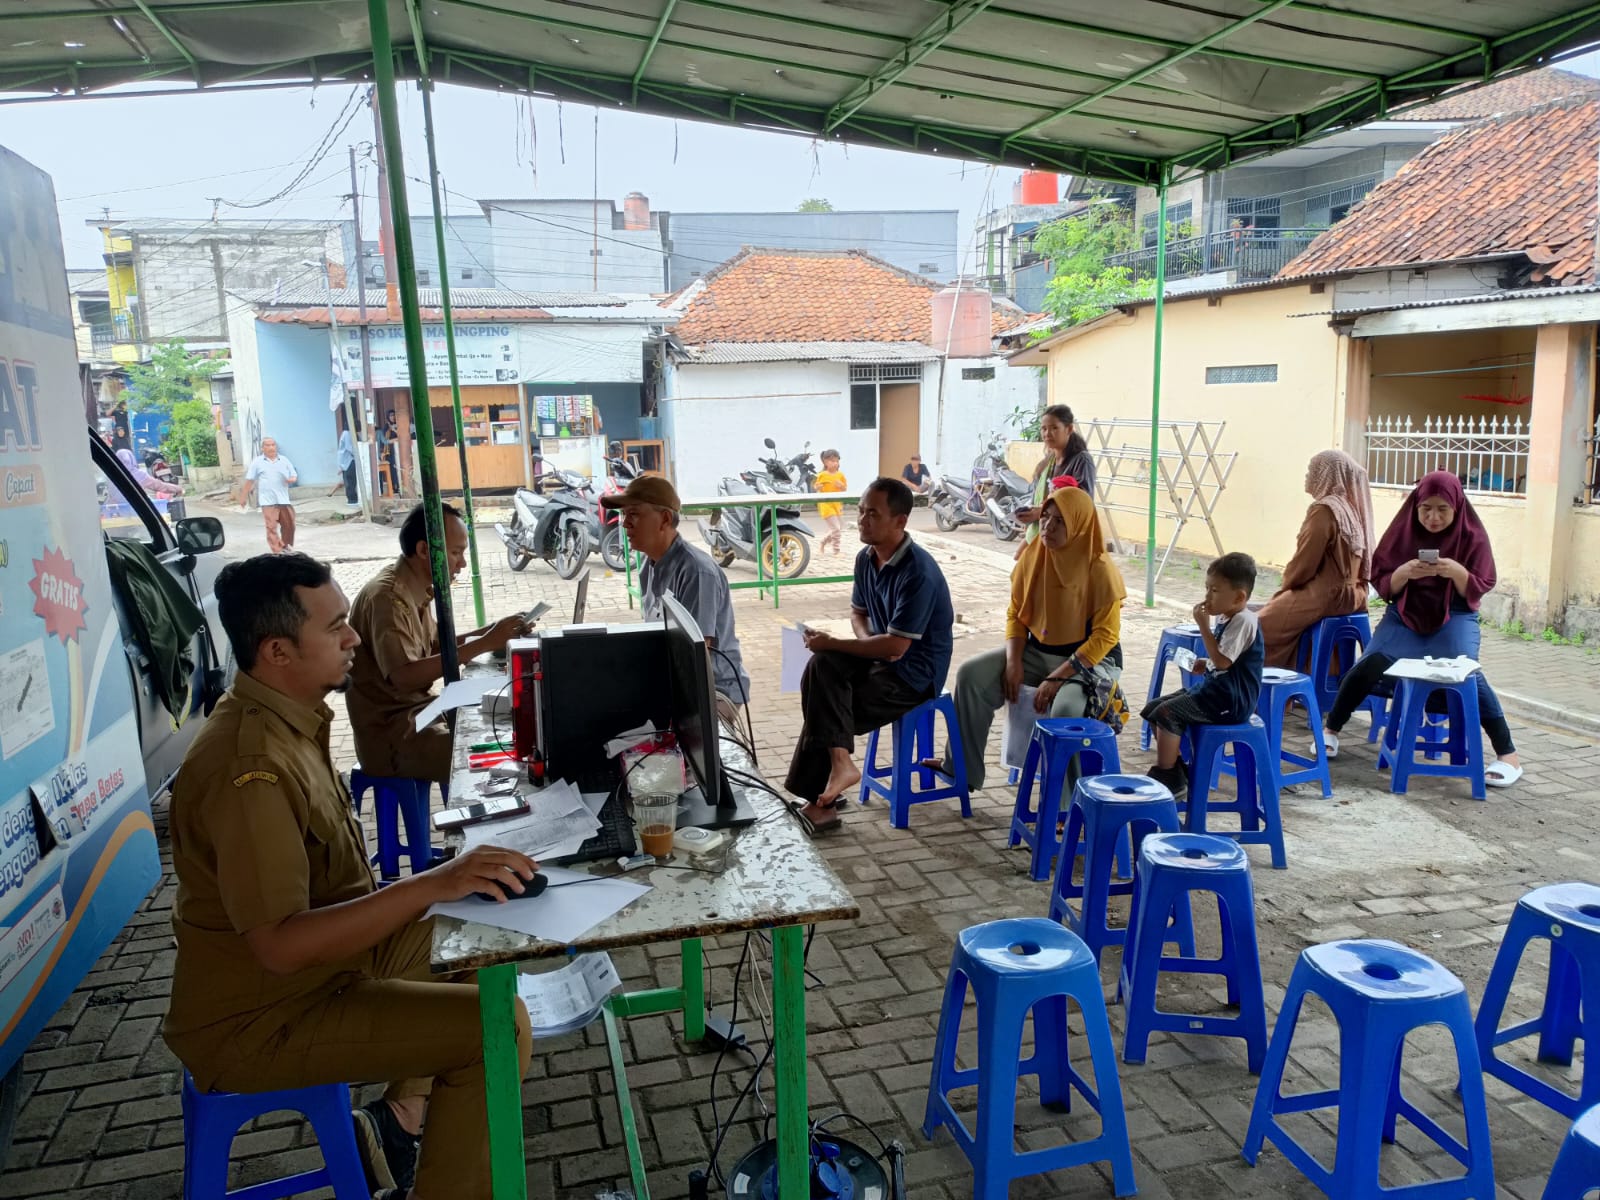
(614, 838)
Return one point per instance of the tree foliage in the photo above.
(1082, 287)
(169, 378)
(815, 204)
(193, 433)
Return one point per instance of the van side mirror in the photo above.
(199, 535)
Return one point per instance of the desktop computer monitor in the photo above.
(710, 803)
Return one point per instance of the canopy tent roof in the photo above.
(1079, 86)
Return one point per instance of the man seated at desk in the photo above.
(398, 658)
(902, 617)
(650, 515)
(293, 969)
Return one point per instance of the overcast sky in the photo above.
(168, 156)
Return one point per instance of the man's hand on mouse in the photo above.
(475, 873)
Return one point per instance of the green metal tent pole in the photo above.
(449, 326)
(411, 316)
(1155, 385)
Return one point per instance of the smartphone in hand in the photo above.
(1428, 556)
(537, 611)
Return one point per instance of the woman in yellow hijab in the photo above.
(1063, 629)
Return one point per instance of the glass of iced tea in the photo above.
(656, 817)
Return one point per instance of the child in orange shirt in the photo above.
(831, 479)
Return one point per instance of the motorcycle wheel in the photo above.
(611, 549)
(1007, 530)
(517, 559)
(944, 520)
(794, 555)
(571, 551)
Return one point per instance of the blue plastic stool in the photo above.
(1055, 743)
(1256, 805)
(1279, 688)
(912, 741)
(1347, 637)
(1171, 866)
(1567, 915)
(211, 1119)
(1105, 810)
(1014, 966)
(1410, 733)
(1577, 1169)
(1173, 638)
(1379, 992)
(395, 802)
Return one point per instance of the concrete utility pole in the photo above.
(369, 402)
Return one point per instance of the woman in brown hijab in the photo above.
(1332, 563)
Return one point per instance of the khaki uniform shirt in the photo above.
(394, 617)
(262, 829)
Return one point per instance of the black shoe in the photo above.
(388, 1152)
(1174, 779)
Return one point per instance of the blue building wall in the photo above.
(296, 370)
(1032, 283)
(923, 242)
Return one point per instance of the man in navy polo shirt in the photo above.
(899, 657)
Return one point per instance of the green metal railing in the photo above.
(770, 502)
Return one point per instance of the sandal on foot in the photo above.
(1330, 743)
(1501, 774)
(813, 830)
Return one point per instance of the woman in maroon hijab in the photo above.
(1433, 565)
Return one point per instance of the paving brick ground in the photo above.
(1432, 869)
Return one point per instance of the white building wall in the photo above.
(245, 357)
(718, 416)
(581, 352)
(973, 409)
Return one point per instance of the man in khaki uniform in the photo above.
(292, 968)
(398, 660)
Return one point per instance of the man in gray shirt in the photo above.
(272, 476)
(650, 511)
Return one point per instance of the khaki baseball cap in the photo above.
(647, 489)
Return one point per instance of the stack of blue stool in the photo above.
(1015, 966)
(1255, 764)
(1055, 743)
(1171, 866)
(1173, 639)
(1567, 915)
(912, 741)
(1379, 992)
(1408, 733)
(211, 1119)
(1345, 636)
(1577, 1169)
(396, 803)
(1106, 809)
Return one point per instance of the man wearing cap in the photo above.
(650, 513)
(916, 475)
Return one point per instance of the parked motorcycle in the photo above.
(797, 474)
(619, 474)
(1004, 491)
(730, 533)
(957, 502)
(557, 524)
(158, 467)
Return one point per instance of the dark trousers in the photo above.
(1368, 672)
(351, 496)
(842, 696)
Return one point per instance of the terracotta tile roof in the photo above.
(1504, 96)
(1522, 184)
(813, 296)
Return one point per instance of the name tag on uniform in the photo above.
(251, 776)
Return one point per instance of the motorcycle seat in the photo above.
(737, 487)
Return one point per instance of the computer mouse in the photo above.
(530, 888)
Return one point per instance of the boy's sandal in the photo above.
(1501, 774)
(813, 830)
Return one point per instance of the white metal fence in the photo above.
(1488, 454)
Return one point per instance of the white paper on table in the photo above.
(1020, 720)
(795, 658)
(556, 817)
(561, 914)
(458, 695)
(595, 801)
(568, 998)
(1434, 670)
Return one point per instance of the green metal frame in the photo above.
(772, 501)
